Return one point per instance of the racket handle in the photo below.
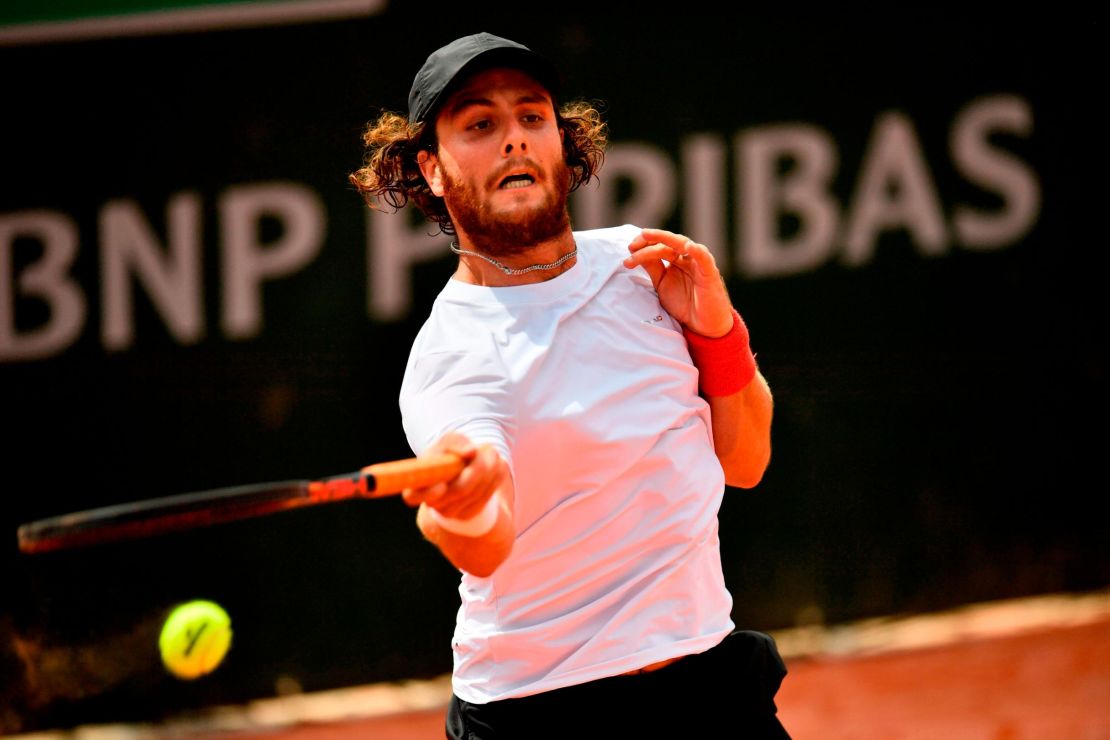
(418, 472)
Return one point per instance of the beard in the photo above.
(505, 235)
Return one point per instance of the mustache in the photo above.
(514, 164)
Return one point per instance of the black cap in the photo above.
(446, 65)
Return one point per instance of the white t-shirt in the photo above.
(585, 385)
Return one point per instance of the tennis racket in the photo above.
(203, 508)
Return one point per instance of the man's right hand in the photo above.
(464, 496)
(484, 477)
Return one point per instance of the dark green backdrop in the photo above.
(938, 412)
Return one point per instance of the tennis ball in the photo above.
(195, 638)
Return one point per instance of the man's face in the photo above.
(499, 166)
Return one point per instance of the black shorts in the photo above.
(725, 692)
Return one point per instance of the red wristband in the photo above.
(725, 364)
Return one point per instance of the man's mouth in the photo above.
(513, 182)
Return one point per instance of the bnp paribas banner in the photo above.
(193, 295)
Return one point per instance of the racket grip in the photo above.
(418, 472)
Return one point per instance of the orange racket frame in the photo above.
(203, 508)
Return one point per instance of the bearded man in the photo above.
(601, 391)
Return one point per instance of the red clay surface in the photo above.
(1046, 684)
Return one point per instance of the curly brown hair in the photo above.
(391, 175)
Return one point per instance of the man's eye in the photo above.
(481, 125)
(533, 118)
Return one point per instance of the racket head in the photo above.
(160, 515)
(203, 508)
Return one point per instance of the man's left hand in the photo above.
(686, 277)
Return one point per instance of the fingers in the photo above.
(654, 245)
(677, 242)
(416, 496)
(650, 262)
(465, 495)
(660, 236)
(685, 275)
(453, 443)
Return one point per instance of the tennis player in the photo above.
(601, 388)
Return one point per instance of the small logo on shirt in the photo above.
(657, 319)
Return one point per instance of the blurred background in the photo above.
(192, 296)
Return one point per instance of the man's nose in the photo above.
(515, 139)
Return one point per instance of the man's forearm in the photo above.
(477, 555)
(742, 432)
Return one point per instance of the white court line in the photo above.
(864, 637)
(971, 622)
(183, 20)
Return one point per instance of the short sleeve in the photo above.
(465, 392)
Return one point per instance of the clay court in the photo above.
(1031, 668)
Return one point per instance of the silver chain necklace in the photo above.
(516, 270)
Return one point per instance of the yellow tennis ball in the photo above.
(195, 638)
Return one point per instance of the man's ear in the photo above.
(433, 173)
